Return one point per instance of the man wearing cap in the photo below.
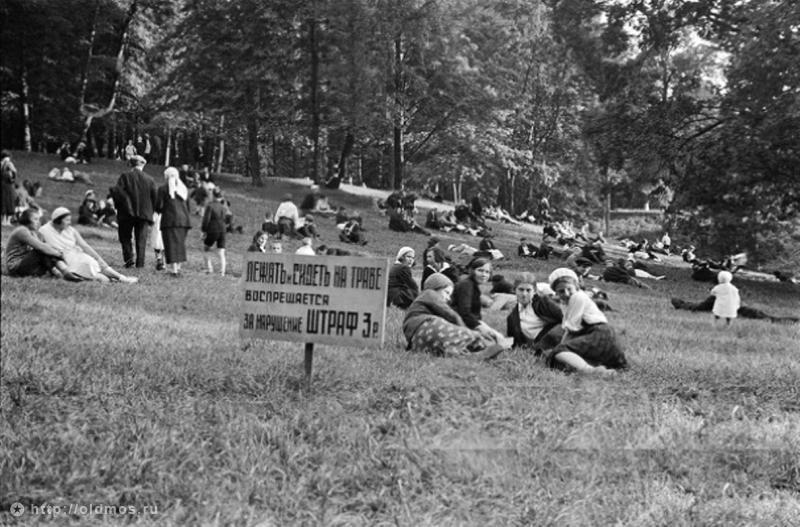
(138, 190)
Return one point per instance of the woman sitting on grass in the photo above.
(589, 344)
(260, 243)
(432, 326)
(467, 299)
(535, 320)
(402, 287)
(27, 254)
(79, 256)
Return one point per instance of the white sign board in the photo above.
(325, 299)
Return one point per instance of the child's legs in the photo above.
(207, 258)
(222, 261)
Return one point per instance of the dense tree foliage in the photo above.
(593, 103)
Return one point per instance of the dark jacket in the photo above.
(615, 273)
(426, 305)
(174, 211)
(467, 301)
(402, 287)
(545, 309)
(214, 218)
(140, 190)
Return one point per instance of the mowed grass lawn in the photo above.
(143, 395)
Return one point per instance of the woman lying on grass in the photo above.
(432, 326)
(79, 256)
(589, 344)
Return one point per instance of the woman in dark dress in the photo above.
(171, 203)
(467, 298)
(402, 287)
(8, 176)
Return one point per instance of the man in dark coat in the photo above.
(135, 200)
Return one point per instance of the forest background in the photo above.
(691, 106)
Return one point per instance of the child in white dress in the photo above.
(726, 298)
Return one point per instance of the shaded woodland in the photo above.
(692, 106)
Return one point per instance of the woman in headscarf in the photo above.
(79, 256)
(402, 287)
(171, 203)
(432, 326)
(27, 254)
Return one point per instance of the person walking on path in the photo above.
(135, 198)
(171, 203)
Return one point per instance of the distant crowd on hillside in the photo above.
(564, 318)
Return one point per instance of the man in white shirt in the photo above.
(287, 217)
(307, 248)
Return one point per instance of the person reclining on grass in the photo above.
(79, 256)
(432, 326)
(27, 254)
(707, 305)
(622, 272)
(589, 343)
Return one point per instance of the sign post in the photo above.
(308, 363)
(339, 300)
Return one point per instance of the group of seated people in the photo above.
(446, 221)
(81, 153)
(55, 248)
(705, 270)
(445, 317)
(400, 207)
(96, 213)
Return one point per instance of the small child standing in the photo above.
(726, 298)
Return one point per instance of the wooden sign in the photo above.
(337, 300)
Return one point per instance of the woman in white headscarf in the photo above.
(80, 258)
(171, 203)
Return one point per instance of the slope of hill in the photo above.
(143, 395)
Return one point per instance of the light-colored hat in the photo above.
(560, 273)
(171, 172)
(139, 161)
(437, 281)
(88, 193)
(724, 277)
(402, 252)
(58, 213)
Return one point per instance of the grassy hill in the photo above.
(143, 395)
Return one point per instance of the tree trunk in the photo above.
(253, 159)
(314, 101)
(606, 201)
(168, 150)
(89, 111)
(26, 112)
(221, 153)
(347, 150)
(398, 112)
